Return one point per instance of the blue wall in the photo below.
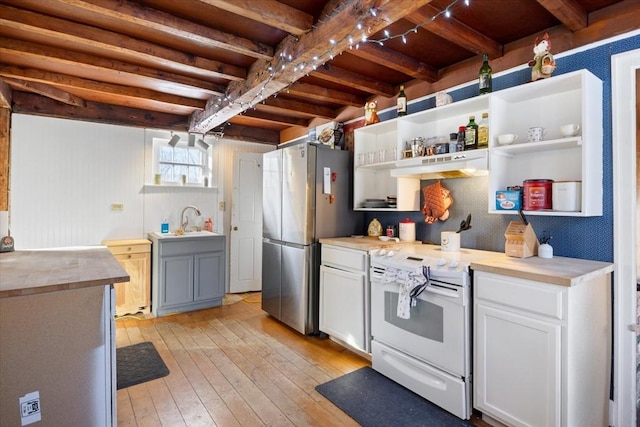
(588, 238)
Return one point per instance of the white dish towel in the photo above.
(407, 280)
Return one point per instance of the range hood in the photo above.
(461, 164)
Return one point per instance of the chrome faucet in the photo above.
(185, 220)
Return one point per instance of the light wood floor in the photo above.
(233, 366)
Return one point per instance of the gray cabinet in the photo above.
(188, 272)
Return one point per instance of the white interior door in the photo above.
(245, 265)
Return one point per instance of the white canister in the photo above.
(407, 230)
(566, 196)
(450, 241)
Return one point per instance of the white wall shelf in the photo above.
(381, 171)
(551, 103)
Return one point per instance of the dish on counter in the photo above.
(387, 238)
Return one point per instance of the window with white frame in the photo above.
(181, 164)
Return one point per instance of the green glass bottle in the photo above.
(471, 134)
(485, 75)
(401, 105)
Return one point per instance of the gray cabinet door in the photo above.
(177, 280)
(209, 276)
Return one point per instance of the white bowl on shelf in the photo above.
(507, 138)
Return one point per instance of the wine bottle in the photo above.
(471, 134)
(485, 75)
(483, 131)
(401, 105)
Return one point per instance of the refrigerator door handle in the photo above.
(295, 245)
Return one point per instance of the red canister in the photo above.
(537, 194)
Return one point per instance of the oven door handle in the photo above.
(444, 292)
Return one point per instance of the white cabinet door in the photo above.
(517, 367)
(342, 305)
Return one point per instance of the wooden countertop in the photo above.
(556, 271)
(51, 270)
(129, 242)
(364, 243)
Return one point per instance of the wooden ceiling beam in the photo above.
(116, 94)
(109, 70)
(294, 58)
(569, 12)
(354, 80)
(257, 114)
(117, 46)
(252, 134)
(299, 107)
(455, 31)
(28, 103)
(319, 93)
(274, 14)
(46, 90)
(395, 61)
(127, 12)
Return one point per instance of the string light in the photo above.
(286, 59)
(446, 12)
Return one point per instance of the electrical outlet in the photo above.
(221, 206)
(117, 207)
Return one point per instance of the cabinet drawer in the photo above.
(191, 246)
(344, 258)
(130, 249)
(544, 299)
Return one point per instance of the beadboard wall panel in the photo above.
(66, 174)
(64, 177)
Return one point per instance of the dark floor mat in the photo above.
(374, 400)
(139, 363)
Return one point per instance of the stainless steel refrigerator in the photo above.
(306, 196)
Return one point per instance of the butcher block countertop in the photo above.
(364, 243)
(556, 271)
(51, 270)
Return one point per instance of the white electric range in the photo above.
(421, 321)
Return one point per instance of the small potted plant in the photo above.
(545, 250)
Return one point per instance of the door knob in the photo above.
(235, 228)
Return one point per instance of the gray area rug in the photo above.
(374, 400)
(139, 363)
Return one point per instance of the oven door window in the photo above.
(427, 318)
(436, 332)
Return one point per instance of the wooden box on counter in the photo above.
(521, 240)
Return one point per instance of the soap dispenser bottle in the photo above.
(164, 227)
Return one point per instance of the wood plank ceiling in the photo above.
(266, 70)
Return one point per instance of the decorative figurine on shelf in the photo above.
(370, 115)
(542, 62)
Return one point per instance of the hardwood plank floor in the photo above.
(234, 366)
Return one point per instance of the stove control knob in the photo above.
(441, 262)
(382, 252)
(390, 254)
(374, 252)
(453, 264)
